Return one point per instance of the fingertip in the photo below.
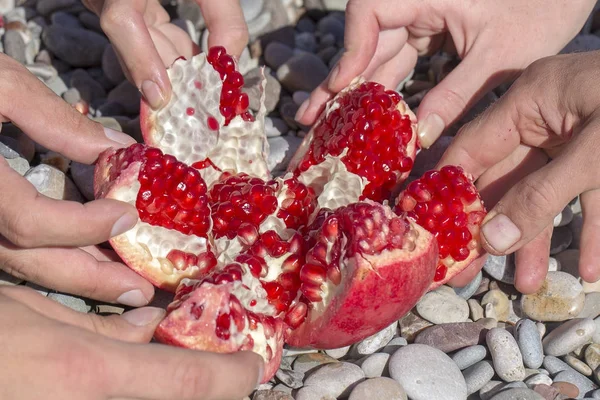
(144, 317)
(430, 129)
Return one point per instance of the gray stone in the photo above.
(306, 41)
(382, 388)
(476, 376)
(591, 306)
(375, 365)
(376, 341)
(65, 20)
(47, 7)
(530, 343)
(555, 365)
(53, 183)
(83, 177)
(78, 47)
(469, 356)
(282, 149)
(14, 45)
(74, 303)
(455, 336)
(332, 25)
(89, 89)
(582, 43)
(335, 379)
(8, 279)
(303, 71)
(517, 394)
(306, 363)
(443, 306)
(427, 373)
(252, 82)
(569, 261)
(127, 95)
(564, 218)
(469, 290)
(501, 268)
(19, 164)
(251, 8)
(583, 384)
(338, 353)
(507, 358)
(561, 239)
(276, 54)
(290, 378)
(569, 336)
(592, 355)
(275, 127)
(538, 379)
(578, 365)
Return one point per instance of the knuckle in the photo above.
(76, 362)
(114, 15)
(20, 230)
(536, 197)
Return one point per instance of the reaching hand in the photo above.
(146, 42)
(495, 39)
(550, 111)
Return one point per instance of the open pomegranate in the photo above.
(314, 258)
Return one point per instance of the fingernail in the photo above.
(123, 224)
(302, 110)
(153, 95)
(430, 129)
(333, 75)
(133, 298)
(501, 233)
(118, 137)
(143, 316)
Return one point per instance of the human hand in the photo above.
(51, 242)
(550, 111)
(146, 42)
(495, 40)
(55, 353)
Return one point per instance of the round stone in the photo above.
(507, 358)
(443, 306)
(592, 355)
(578, 365)
(467, 291)
(569, 336)
(538, 379)
(469, 356)
(375, 365)
(334, 379)
(496, 300)
(427, 373)
(383, 388)
(560, 298)
(476, 376)
(501, 268)
(517, 394)
(567, 389)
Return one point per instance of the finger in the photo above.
(226, 24)
(57, 125)
(397, 68)
(589, 258)
(364, 21)
(180, 39)
(78, 272)
(476, 74)
(124, 24)
(184, 374)
(133, 326)
(531, 262)
(29, 219)
(389, 44)
(530, 205)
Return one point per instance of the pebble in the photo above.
(466, 292)
(77, 47)
(83, 177)
(578, 365)
(596, 337)
(47, 7)
(455, 336)
(303, 71)
(530, 343)
(282, 149)
(127, 95)
(595, 394)
(14, 45)
(74, 303)
(569, 336)
(475, 310)
(290, 378)
(338, 353)
(564, 218)
(591, 306)
(517, 394)
(592, 355)
(252, 82)
(476, 376)
(276, 54)
(275, 127)
(427, 373)
(394, 345)
(382, 388)
(443, 306)
(375, 365)
(569, 261)
(332, 25)
(375, 342)
(53, 183)
(583, 384)
(561, 239)
(19, 164)
(271, 395)
(334, 379)
(111, 67)
(497, 301)
(313, 393)
(538, 379)
(501, 268)
(308, 362)
(469, 356)
(507, 358)
(306, 41)
(560, 298)
(8, 279)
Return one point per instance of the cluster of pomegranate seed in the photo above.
(440, 202)
(299, 204)
(368, 125)
(241, 203)
(233, 100)
(181, 261)
(172, 195)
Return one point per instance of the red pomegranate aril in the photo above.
(440, 273)
(313, 274)
(214, 53)
(273, 289)
(223, 326)
(311, 292)
(296, 315)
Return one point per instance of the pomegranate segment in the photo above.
(206, 122)
(447, 204)
(224, 318)
(366, 268)
(371, 131)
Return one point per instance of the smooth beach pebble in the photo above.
(427, 373)
(560, 298)
(530, 343)
(507, 358)
(569, 336)
(469, 356)
(378, 388)
(443, 306)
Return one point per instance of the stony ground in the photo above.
(484, 341)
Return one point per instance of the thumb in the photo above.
(531, 205)
(456, 93)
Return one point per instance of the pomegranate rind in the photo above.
(240, 146)
(129, 246)
(180, 329)
(375, 291)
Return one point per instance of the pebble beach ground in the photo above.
(484, 341)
